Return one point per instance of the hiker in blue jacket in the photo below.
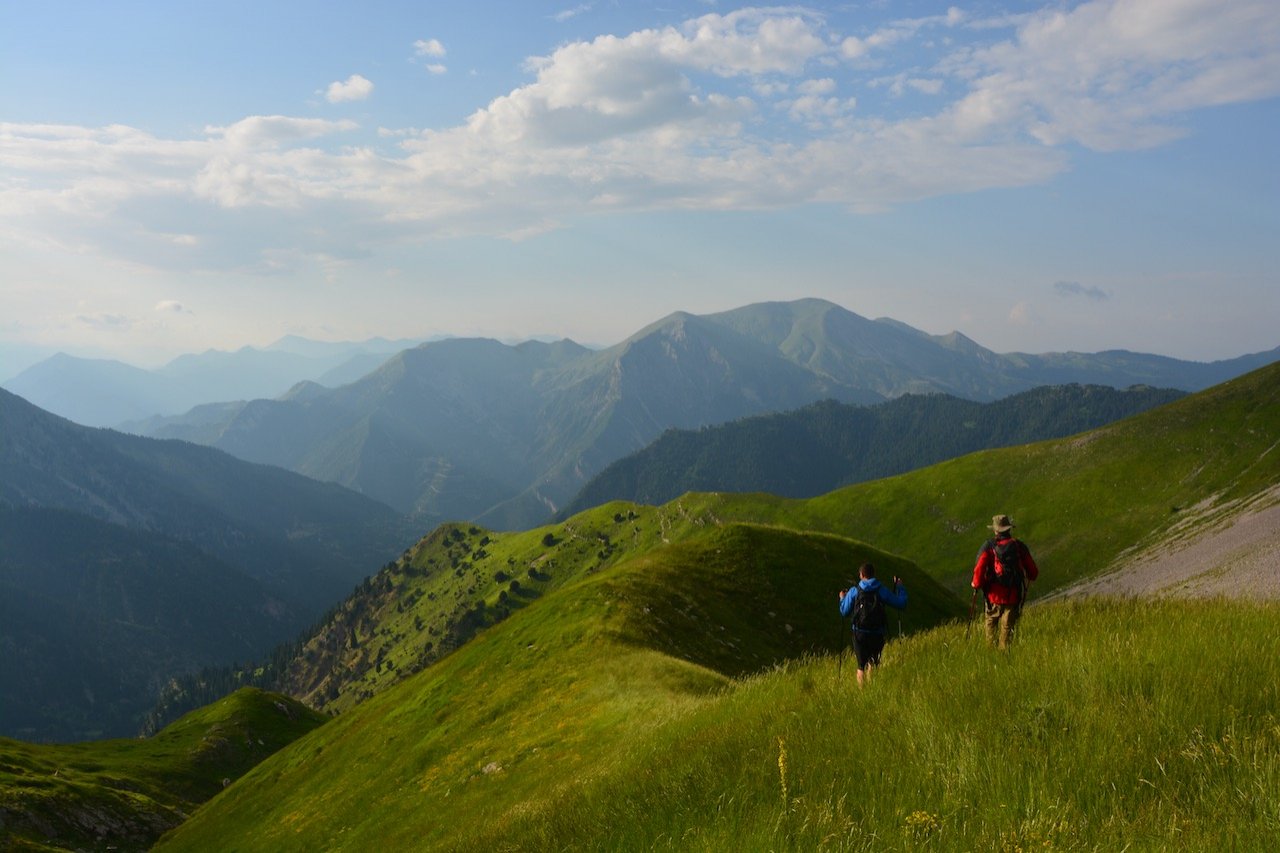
(865, 602)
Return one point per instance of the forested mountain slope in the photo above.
(827, 445)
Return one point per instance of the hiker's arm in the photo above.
(897, 598)
(1029, 567)
(846, 601)
(980, 567)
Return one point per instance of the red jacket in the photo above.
(985, 568)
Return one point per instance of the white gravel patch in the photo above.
(1236, 556)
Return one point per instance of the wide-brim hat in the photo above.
(1001, 523)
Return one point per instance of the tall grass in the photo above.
(1108, 726)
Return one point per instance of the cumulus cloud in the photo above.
(1075, 288)
(1117, 74)
(855, 47)
(354, 88)
(272, 131)
(674, 117)
(429, 47)
(171, 306)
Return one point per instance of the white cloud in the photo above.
(824, 86)
(429, 47)
(566, 14)
(1117, 75)
(814, 110)
(898, 84)
(273, 131)
(855, 48)
(925, 86)
(659, 118)
(354, 88)
(171, 306)
(436, 68)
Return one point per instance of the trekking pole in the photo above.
(968, 626)
(840, 650)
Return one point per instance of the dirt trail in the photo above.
(1239, 557)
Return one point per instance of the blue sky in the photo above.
(1067, 176)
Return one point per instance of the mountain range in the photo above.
(507, 435)
(107, 393)
(126, 560)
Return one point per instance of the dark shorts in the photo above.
(867, 647)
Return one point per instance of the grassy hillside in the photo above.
(1080, 502)
(462, 579)
(557, 692)
(1106, 729)
(122, 794)
(570, 729)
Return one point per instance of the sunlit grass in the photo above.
(1105, 727)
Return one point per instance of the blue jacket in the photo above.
(893, 598)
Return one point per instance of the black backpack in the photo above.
(868, 611)
(1008, 563)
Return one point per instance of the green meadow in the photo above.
(575, 727)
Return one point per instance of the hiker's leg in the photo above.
(862, 652)
(992, 622)
(874, 646)
(1011, 620)
(1008, 615)
(864, 675)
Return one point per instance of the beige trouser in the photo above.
(1000, 621)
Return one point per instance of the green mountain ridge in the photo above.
(824, 446)
(572, 676)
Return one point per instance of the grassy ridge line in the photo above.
(1081, 502)
(1107, 728)
(557, 694)
(122, 794)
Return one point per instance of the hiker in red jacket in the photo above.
(1002, 571)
